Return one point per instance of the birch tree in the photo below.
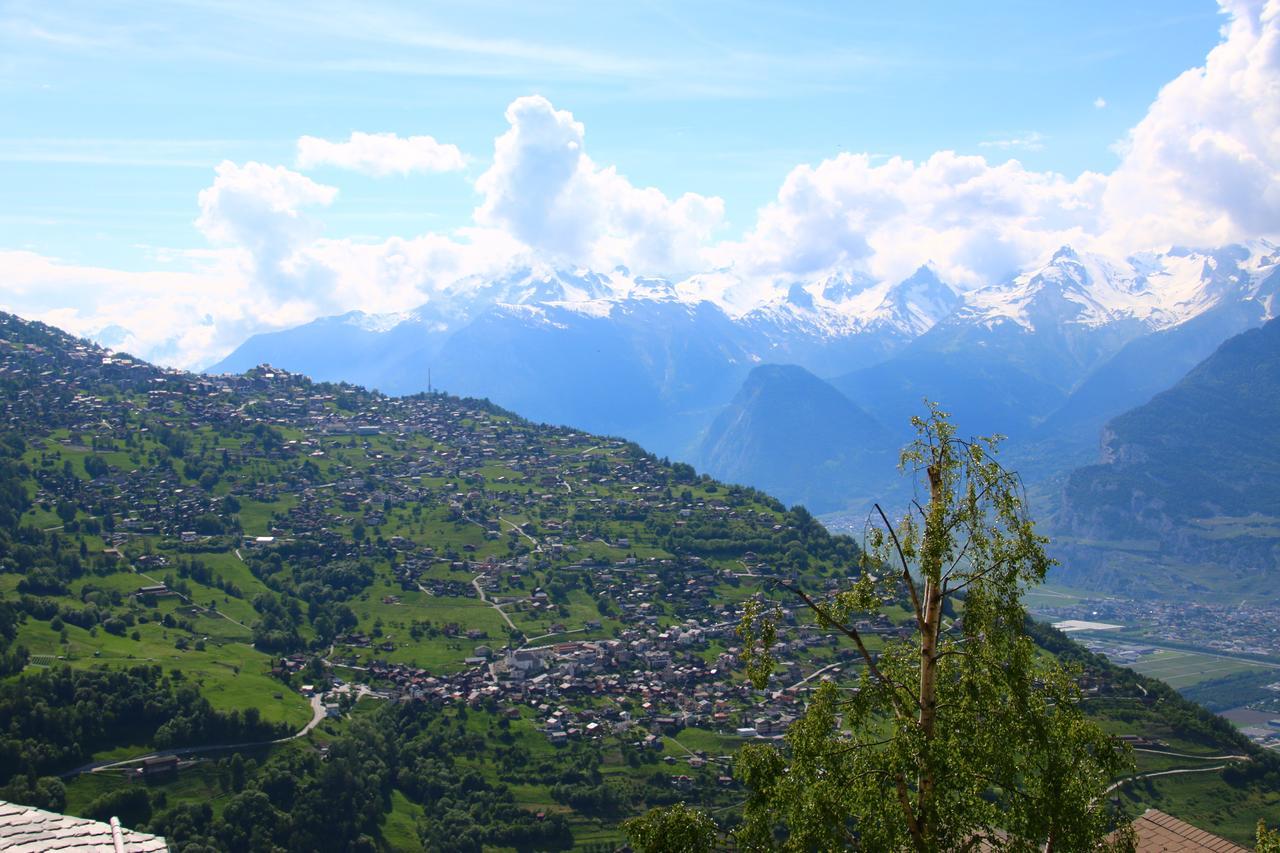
(961, 736)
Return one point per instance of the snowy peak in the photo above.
(533, 285)
(377, 322)
(1157, 290)
(1070, 289)
(841, 287)
(915, 304)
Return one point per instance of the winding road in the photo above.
(317, 714)
(1177, 771)
(475, 582)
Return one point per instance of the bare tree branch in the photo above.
(906, 569)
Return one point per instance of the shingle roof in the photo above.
(24, 829)
(1161, 833)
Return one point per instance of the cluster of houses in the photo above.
(670, 662)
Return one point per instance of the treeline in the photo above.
(297, 800)
(1232, 691)
(54, 720)
(801, 541)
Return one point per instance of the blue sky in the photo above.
(152, 180)
(115, 114)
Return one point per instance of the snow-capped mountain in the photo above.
(655, 359)
(1157, 290)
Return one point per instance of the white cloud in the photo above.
(270, 269)
(1100, 103)
(381, 154)
(186, 318)
(544, 190)
(258, 209)
(974, 220)
(1030, 141)
(256, 212)
(1203, 165)
(259, 206)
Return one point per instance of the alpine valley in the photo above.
(1046, 357)
(257, 612)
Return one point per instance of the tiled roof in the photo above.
(24, 829)
(1161, 833)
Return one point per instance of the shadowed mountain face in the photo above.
(1187, 497)
(793, 434)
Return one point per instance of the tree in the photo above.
(678, 829)
(1268, 839)
(958, 735)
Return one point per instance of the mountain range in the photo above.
(1045, 356)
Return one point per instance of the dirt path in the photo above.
(814, 674)
(1190, 755)
(317, 715)
(518, 529)
(1180, 771)
(475, 582)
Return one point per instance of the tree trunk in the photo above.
(932, 629)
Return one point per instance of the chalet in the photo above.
(159, 765)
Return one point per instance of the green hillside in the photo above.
(1181, 503)
(363, 622)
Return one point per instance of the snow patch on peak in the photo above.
(843, 286)
(377, 322)
(915, 304)
(598, 308)
(1159, 290)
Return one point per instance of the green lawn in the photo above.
(231, 675)
(1183, 669)
(1205, 801)
(400, 831)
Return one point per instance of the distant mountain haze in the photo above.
(1186, 498)
(791, 433)
(1045, 357)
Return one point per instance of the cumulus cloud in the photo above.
(259, 208)
(544, 190)
(1100, 103)
(1203, 165)
(381, 154)
(974, 220)
(186, 318)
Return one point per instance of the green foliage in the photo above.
(45, 792)
(1268, 840)
(86, 502)
(131, 805)
(1197, 460)
(54, 719)
(676, 829)
(961, 731)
